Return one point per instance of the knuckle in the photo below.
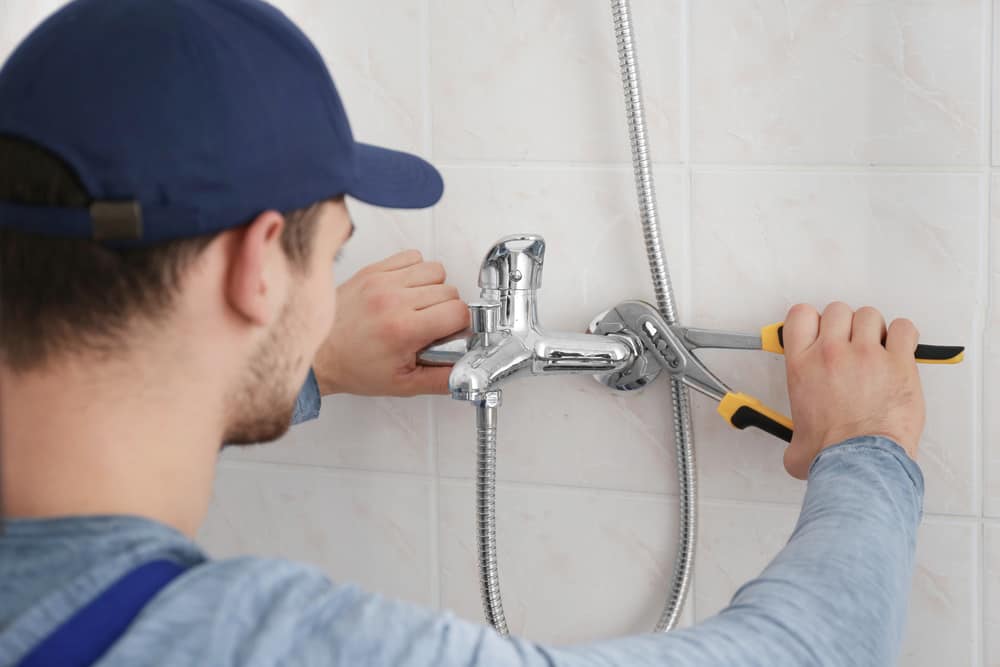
(801, 310)
(832, 352)
(837, 307)
(870, 353)
(373, 282)
(437, 271)
(459, 311)
(869, 311)
(412, 255)
(395, 329)
(381, 301)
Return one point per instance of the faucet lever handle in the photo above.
(514, 263)
(485, 316)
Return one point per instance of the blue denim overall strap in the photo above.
(82, 639)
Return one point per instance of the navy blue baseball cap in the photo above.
(187, 117)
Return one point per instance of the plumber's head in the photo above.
(171, 201)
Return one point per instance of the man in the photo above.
(172, 182)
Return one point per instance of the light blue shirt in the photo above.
(836, 594)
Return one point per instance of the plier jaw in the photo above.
(670, 347)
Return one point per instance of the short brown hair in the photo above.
(61, 295)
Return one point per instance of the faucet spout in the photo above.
(582, 353)
(484, 367)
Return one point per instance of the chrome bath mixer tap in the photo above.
(507, 340)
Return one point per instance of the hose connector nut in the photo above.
(489, 399)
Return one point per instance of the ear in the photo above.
(258, 269)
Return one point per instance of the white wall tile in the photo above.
(820, 81)
(539, 80)
(381, 232)
(942, 612)
(385, 434)
(905, 243)
(20, 17)
(359, 528)
(595, 255)
(568, 431)
(991, 593)
(373, 49)
(737, 541)
(564, 430)
(575, 565)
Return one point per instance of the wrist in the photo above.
(326, 374)
(328, 385)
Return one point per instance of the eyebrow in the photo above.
(353, 229)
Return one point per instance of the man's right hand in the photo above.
(843, 383)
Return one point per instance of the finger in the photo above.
(426, 380)
(868, 327)
(835, 325)
(441, 320)
(430, 295)
(801, 329)
(902, 338)
(424, 273)
(400, 260)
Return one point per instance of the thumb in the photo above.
(427, 380)
(797, 461)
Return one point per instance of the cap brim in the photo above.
(394, 179)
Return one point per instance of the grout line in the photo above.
(687, 293)
(686, 142)
(628, 494)
(985, 286)
(432, 446)
(426, 72)
(456, 480)
(684, 48)
(749, 167)
(553, 164)
(435, 513)
(342, 470)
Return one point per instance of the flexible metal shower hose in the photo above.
(683, 435)
(486, 527)
(486, 417)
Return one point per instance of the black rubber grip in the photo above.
(938, 352)
(746, 416)
(923, 352)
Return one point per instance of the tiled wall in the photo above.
(805, 150)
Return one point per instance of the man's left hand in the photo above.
(386, 314)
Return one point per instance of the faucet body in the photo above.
(507, 340)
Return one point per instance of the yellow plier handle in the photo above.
(742, 410)
(772, 340)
